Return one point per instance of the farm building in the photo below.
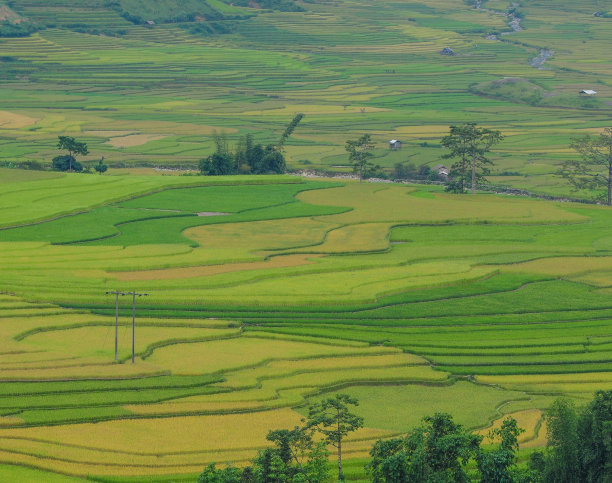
(442, 170)
(395, 144)
(588, 92)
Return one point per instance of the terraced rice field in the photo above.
(403, 296)
(154, 94)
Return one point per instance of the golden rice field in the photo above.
(403, 296)
(408, 298)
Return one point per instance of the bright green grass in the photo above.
(25, 201)
(161, 217)
(413, 402)
(21, 474)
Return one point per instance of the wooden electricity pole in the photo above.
(116, 293)
(134, 295)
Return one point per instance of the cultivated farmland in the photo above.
(267, 293)
(154, 94)
(403, 296)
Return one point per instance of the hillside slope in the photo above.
(153, 93)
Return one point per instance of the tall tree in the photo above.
(290, 128)
(359, 154)
(101, 167)
(499, 465)
(333, 419)
(594, 170)
(563, 445)
(595, 436)
(73, 147)
(470, 145)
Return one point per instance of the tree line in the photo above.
(469, 144)
(578, 450)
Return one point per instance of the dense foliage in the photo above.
(248, 158)
(469, 145)
(594, 170)
(579, 446)
(66, 162)
(579, 450)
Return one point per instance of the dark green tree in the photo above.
(469, 144)
(227, 475)
(389, 463)
(65, 162)
(333, 419)
(359, 154)
(294, 458)
(435, 452)
(101, 167)
(254, 155)
(240, 157)
(499, 465)
(563, 446)
(595, 437)
(289, 130)
(221, 162)
(217, 164)
(273, 161)
(73, 147)
(594, 170)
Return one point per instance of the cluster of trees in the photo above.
(248, 158)
(296, 457)
(411, 171)
(579, 446)
(68, 162)
(579, 450)
(594, 168)
(21, 29)
(467, 143)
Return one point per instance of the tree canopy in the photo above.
(73, 147)
(333, 419)
(594, 170)
(360, 151)
(469, 144)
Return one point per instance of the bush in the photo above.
(31, 165)
(63, 163)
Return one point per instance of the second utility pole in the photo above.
(134, 294)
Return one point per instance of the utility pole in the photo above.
(116, 293)
(134, 295)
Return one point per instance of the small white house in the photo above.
(442, 170)
(395, 144)
(588, 92)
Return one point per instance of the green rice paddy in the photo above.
(268, 292)
(400, 295)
